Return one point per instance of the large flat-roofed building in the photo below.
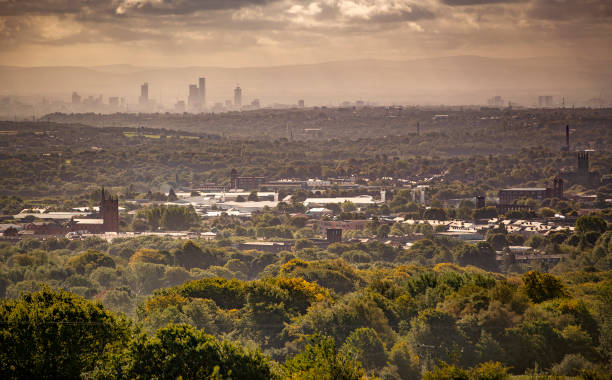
(349, 225)
(245, 183)
(359, 201)
(334, 235)
(510, 195)
(284, 185)
(266, 246)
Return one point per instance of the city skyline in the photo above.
(327, 52)
(461, 80)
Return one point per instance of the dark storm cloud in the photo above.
(414, 14)
(478, 2)
(178, 7)
(182, 7)
(563, 10)
(21, 7)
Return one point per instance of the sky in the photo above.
(242, 33)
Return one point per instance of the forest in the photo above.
(482, 130)
(41, 160)
(158, 307)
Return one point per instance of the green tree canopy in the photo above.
(587, 223)
(56, 334)
(366, 347)
(540, 287)
(321, 360)
(180, 351)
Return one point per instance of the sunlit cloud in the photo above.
(315, 29)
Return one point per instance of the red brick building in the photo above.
(509, 196)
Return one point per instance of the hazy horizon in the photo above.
(229, 66)
(322, 51)
(459, 80)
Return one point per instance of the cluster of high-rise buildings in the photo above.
(196, 99)
(197, 95)
(545, 101)
(96, 103)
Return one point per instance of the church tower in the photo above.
(109, 210)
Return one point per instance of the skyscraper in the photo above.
(76, 98)
(238, 97)
(144, 94)
(202, 88)
(194, 96)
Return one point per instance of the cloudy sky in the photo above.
(238, 33)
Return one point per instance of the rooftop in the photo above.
(48, 215)
(89, 221)
(525, 189)
(361, 199)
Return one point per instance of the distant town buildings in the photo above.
(179, 106)
(93, 102)
(202, 89)
(511, 195)
(545, 101)
(359, 201)
(106, 220)
(76, 99)
(245, 183)
(143, 100)
(109, 211)
(495, 101)
(193, 100)
(583, 175)
(196, 100)
(238, 97)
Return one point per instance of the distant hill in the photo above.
(446, 80)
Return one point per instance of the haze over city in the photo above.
(325, 52)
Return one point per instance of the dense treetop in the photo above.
(48, 159)
(350, 310)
